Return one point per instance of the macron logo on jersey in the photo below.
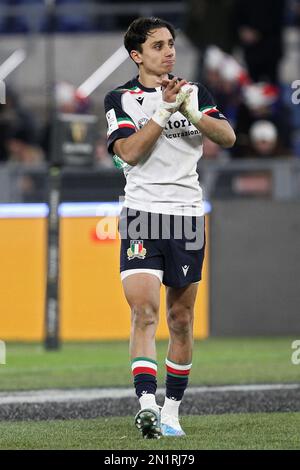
(140, 100)
(185, 270)
(111, 121)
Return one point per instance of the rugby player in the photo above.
(156, 124)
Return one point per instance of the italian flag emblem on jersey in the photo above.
(136, 249)
(125, 122)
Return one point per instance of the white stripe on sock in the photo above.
(148, 364)
(178, 366)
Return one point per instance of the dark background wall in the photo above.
(255, 268)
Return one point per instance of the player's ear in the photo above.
(136, 57)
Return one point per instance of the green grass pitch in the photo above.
(239, 431)
(106, 364)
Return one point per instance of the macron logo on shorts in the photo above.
(185, 270)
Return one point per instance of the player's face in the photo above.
(158, 52)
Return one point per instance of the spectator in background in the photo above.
(212, 60)
(244, 102)
(263, 144)
(264, 140)
(224, 77)
(261, 101)
(259, 25)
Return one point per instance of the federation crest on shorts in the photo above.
(136, 249)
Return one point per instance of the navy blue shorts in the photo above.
(168, 246)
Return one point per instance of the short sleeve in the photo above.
(207, 104)
(119, 124)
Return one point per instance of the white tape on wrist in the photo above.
(167, 105)
(193, 115)
(189, 110)
(196, 116)
(181, 96)
(161, 116)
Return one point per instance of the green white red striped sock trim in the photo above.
(143, 365)
(178, 370)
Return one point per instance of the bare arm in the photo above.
(132, 149)
(139, 144)
(217, 130)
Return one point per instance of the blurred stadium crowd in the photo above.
(239, 46)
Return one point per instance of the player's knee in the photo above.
(180, 319)
(144, 316)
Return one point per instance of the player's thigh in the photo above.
(182, 298)
(142, 289)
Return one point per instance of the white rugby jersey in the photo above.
(165, 181)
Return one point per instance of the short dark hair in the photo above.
(138, 31)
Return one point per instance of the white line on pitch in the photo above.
(76, 395)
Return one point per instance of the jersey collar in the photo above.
(142, 87)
